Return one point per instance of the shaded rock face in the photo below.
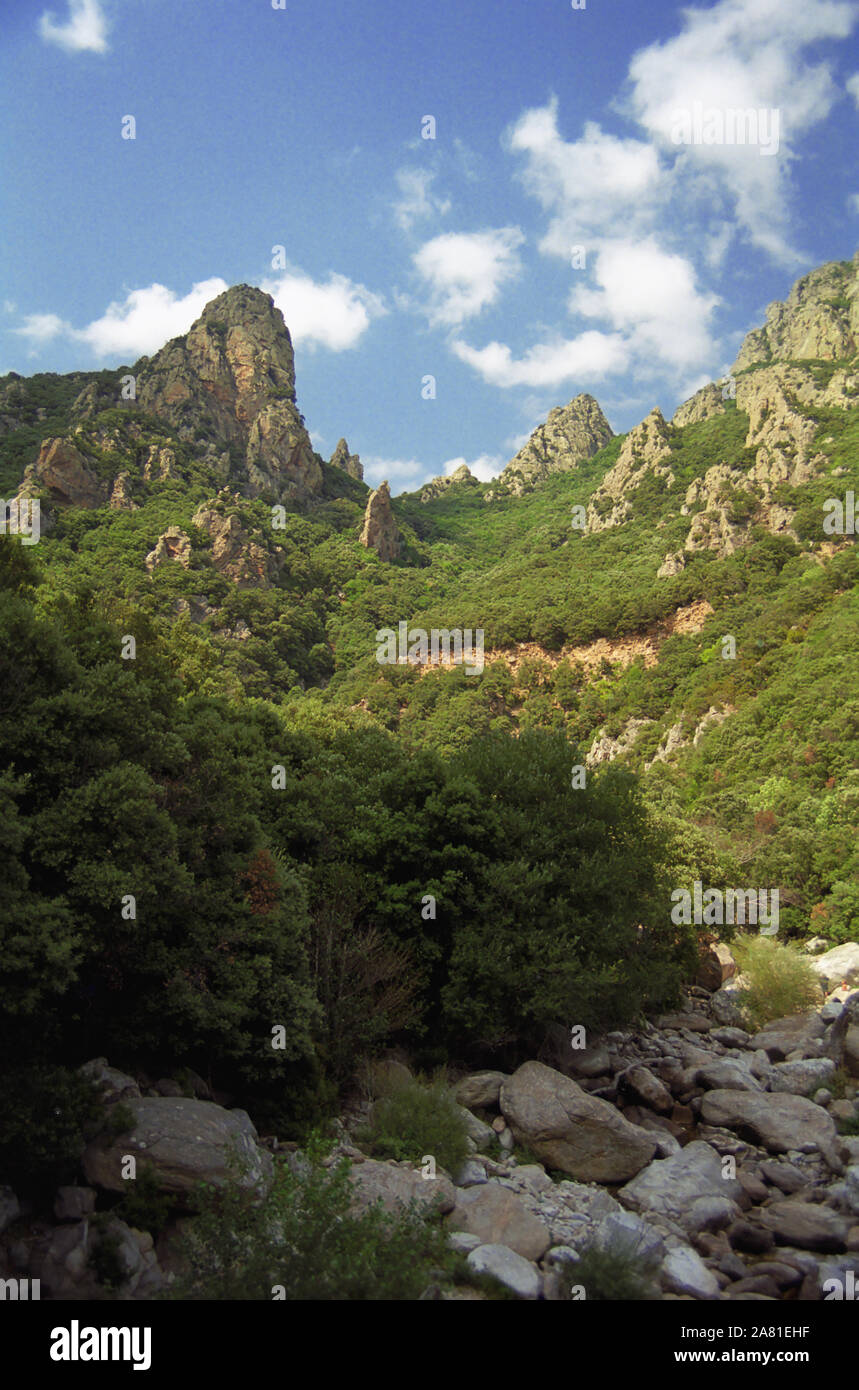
(234, 554)
(380, 531)
(233, 377)
(819, 319)
(570, 434)
(185, 1142)
(644, 451)
(120, 497)
(350, 463)
(63, 470)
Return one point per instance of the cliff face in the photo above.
(380, 531)
(570, 434)
(819, 319)
(231, 378)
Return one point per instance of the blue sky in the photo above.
(404, 257)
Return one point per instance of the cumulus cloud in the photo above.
(853, 87)
(42, 328)
(85, 29)
(417, 201)
(650, 295)
(333, 314)
(398, 472)
(585, 184)
(465, 271)
(742, 55)
(586, 358)
(146, 319)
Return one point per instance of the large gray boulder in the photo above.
(394, 1188)
(510, 1269)
(499, 1217)
(778, 1122)
(569, 1130)
(670, 1187)
(185, 1142)
(806, 1225)
(480, 1090)
(838, 966)
(796, 1033)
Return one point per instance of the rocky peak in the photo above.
(570, 433)
(436, 486)
(644, 450)
(380, 531)
(819, 320)
(231, 379)
(350, 463)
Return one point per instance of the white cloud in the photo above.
(585, 184)
(146, 319)
(484, 467)
(416, 200)
(742, 55)
(42, 328)
(651, 295)
(335, 314)
(589, 357)
(853, 87)
(398, 472)
(85, 30)
(465, 271)
(853, 202)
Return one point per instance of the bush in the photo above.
(304, 1241)
(614, 1275)
(49, 1114)
(145, 1205)
(416, 1120)
(781, 979)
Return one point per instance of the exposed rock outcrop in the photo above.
(643, 452)
(819, 319)
(67, 474)
(570, 434)
(234, 553)
(436, 487)
(704, 404)
(173, 545)
(232, 378)
(350, 463)
(380, 531)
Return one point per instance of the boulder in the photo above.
(669, 1187)
(571, 1131)
(684, 1272)
(590, 1061)
(10, 1209)
(481, 1133)
(73, 1203)
(184, 1142)
(395, 1187)
(626, 1232)
(510, 1269)
(499, 1217)
(796, 1033)
(806, 1225)
(801, 1078)
(778, 1122)
(715, 967)
(838, 966)
(111, 1084)
(725, 1073)
(480, 1090)
(647, 1089)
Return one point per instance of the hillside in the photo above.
(225, 819)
